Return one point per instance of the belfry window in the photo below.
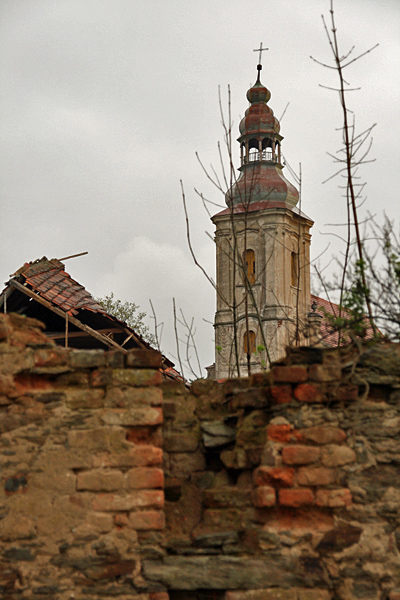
(250, 263)
(249, 342)
(294, 268)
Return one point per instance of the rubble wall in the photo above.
(282, 486)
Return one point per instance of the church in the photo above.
(262, 252)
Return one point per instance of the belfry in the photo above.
(263, 251)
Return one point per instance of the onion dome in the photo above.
(261, 179)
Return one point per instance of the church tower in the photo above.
(263, 248)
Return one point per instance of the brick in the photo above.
(84, 398)
(159, 596)
(280, 433)
(146, 520)
(330, 372)
(127, 502)
(346, 392)
(264, 496)
(137, 415)
(145, 435)
(313, 594)
(307, 392)
(293, 374)
(26, 384)
(296, 497)
(145, 478)
(316, 476)
(227, 497)
(394, 594)
(138, 456)
(100, 377)
(336, 456)
(85, 359)
(300, 455)
(333, 498)
(323, 435)
(50, 357)
(115, 359)
(280, 476)
(143, 358)
(281, 394)
(97, 440)
(100, 481)
(265, 594)
(127, 397)
(136, 377)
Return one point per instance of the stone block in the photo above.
(50, 357)
(217, 433)
(129, 501)
(227, 497)
(328, 372)
(315, 594)
(296, 497)
(300, 455)
(346, 392)
(307, 392)
(279, 476)
(281, 394)
(146, 520)
(115, 359)
(99, 439)
(264, 496)
(135, 415)
(323, 435)
(137, 456)
(187, 441)
(144, 478)
(85, 359)
(84, 398)
(265, 594)
(183, 464)
(315, 476)
(136, 377)
(293, 374)
(100, 481)
(126, 397)
(100, 377)
(337, 456)
(143, 358)
(333, 498)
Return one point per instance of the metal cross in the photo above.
(260, 49)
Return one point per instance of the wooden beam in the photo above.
(76, 334)
(92, 332)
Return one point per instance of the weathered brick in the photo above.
(87, 358)
(136, 415)
(143, 358)
(100, 481)
(280, 476)
(323, 435)
(97, 440)
(300, 455)
(128, 396)
(136, 377)
(145, 435)
(137, 456)
(145, 478)
(316, 476)
(333, 498)
(307, 392)
(313, 594)
(283, 433)
(50, 357)
(265, 594)
(227, 497)
(115, 359)
(84, 398)
(296, 497)
(346, 392)
(264, 496)
(145, 520)
(329, 372)
(127, 502)
(336, 456)
(394, 594)
(159, 596)
(293, 374)
(100, 377)
(281, 394)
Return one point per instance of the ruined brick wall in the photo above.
(81, 499)
(284, 486)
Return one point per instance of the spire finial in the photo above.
(260, 50)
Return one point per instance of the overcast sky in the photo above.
(104, 103)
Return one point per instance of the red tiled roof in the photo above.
(50, 280)
(329, 334)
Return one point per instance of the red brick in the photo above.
(307, 392)
(333, 498)
(300, 455)
(145, 478)
(264, 496)
(282, 433)
(138, 456)
(127, 502)
(274, 475)
(281, 394)
(144, 435)
(296, 497)
(147, 520)
(316, 476)
(324, 435)
(159, 596)
(294, 374)
(24, 384)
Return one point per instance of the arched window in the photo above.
(294, 269)
(249, 342)
(250, 262)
